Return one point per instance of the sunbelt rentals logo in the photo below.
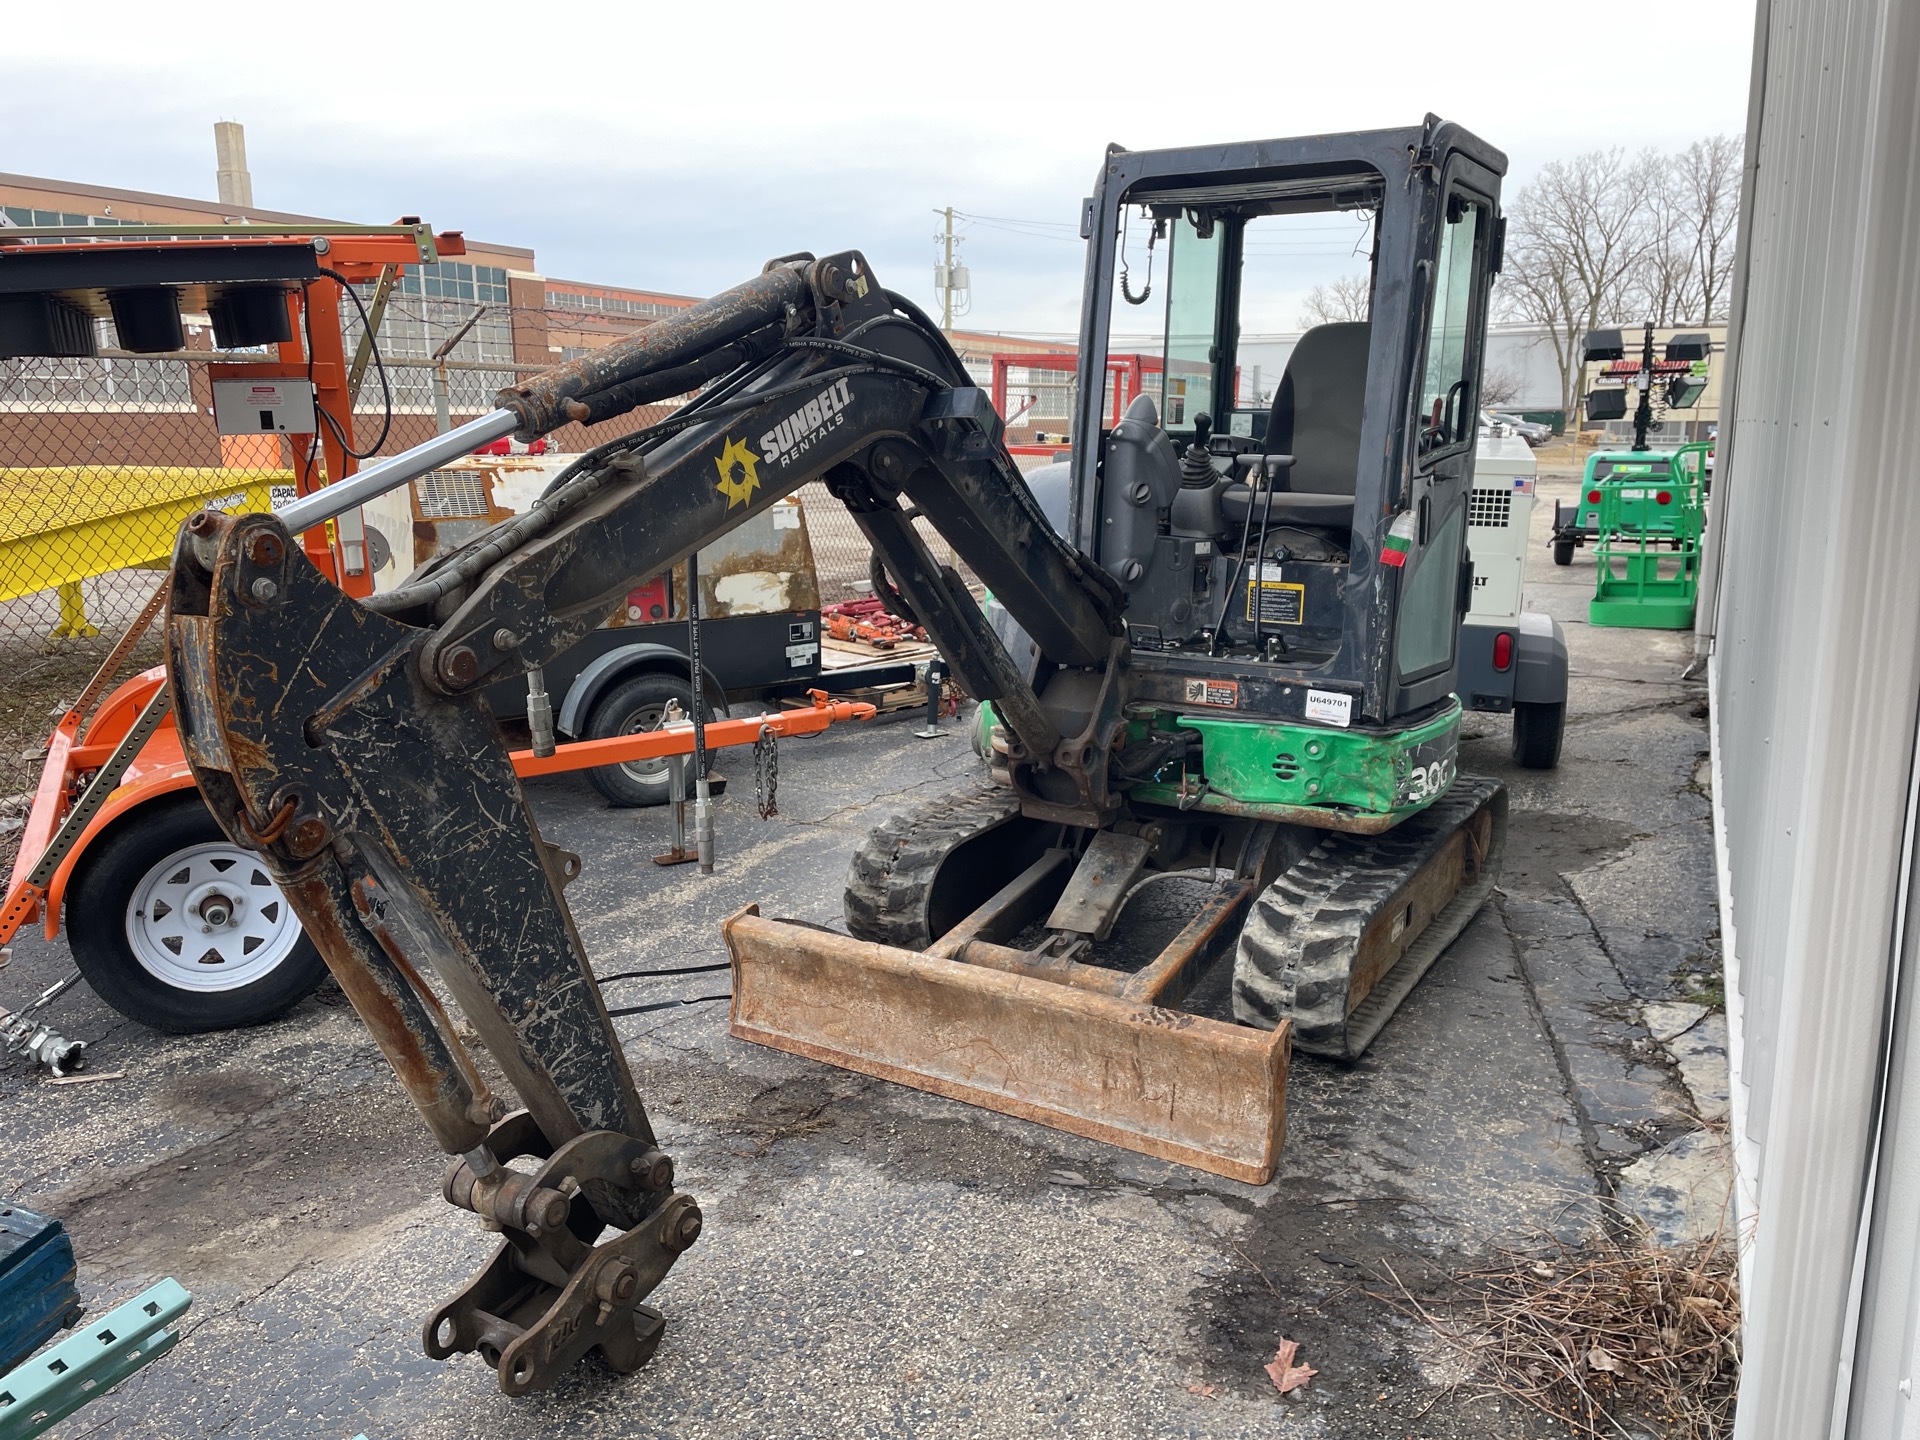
(739, 471)
(800, 431)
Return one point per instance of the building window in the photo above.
(21, 215)
(610, 304)
(457, 280)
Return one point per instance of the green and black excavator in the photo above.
(1225, 657)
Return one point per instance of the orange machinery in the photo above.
(103, 764)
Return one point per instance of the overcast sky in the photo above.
(680, 147)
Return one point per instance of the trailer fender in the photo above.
(153, 785)
(611, 668)
(1539, 660)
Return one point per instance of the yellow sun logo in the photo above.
(738, 490)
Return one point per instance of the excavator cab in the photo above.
(1226, 681)
(1285, 467)
(1284, 519)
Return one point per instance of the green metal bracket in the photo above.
(376, 313)
(46, 1389)
(1355, 779)
(1363, 780)
(420, 234)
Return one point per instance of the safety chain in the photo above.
(766, 772)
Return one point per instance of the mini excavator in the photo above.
(1226, 657)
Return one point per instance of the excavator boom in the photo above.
(350, 742)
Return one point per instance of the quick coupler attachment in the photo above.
(550, 1294)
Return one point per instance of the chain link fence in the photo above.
(102, 459)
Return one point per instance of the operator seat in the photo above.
(1316, 419)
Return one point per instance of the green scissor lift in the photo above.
(1648, 556)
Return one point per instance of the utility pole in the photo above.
(946, 302)
(947, 276)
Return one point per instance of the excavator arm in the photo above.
(351, 744)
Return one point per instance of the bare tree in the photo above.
(1347, 298)
(1500, 385)
(1687, 271)
(1577, 240)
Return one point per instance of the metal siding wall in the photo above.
(1817, 668)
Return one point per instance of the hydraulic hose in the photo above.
(542, 403)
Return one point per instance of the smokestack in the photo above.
(230, 146)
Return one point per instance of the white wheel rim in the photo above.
(646, 717)
(174, 924)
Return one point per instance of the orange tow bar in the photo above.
(677, 739)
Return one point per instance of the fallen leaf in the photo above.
(1287, 1376)
(1205, 1392)
(1600, 1358)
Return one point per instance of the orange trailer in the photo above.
(170, 921)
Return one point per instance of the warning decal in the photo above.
(1213, 692)
(1281, 602)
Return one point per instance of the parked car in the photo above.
(1531, 431)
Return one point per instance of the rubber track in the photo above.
(890, 883)
(1297, 949)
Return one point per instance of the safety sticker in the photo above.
(1330, 706)
(1282, 602)
(1213, 692)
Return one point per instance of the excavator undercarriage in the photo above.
(1203, 743)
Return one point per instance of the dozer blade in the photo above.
(1341, 937)
(1071, 1046)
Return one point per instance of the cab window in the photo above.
(1445, 406)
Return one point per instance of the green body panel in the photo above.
(1300, 774)
(1632, 468)
(1647, 561)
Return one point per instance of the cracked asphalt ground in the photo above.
(878, 1262)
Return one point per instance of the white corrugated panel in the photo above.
(1816, 679)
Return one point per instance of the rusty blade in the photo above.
(1162, 1082)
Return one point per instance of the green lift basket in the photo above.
(1648, 555)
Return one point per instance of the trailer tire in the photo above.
(1563, 552)
(632, 705)
(255, 967)
(1537, 730)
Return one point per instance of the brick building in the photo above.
(529, 321)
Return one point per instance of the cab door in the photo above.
(1434, 592)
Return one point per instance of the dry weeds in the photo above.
(1599, 1335)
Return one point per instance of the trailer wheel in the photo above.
(1563, 552)
(179, 928)
(638, 704)
(1537, 731)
